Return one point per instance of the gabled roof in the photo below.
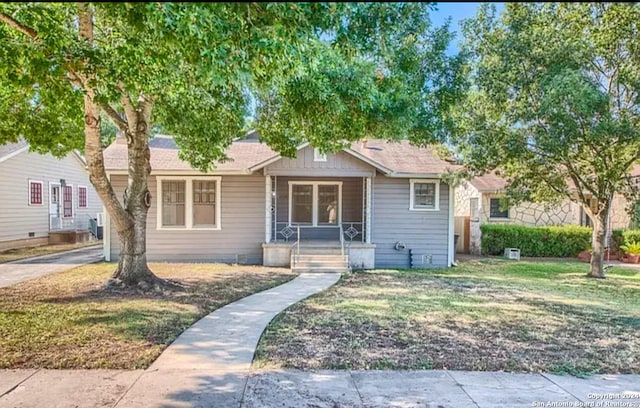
(10, 149)
(488, 183)
(248, 155)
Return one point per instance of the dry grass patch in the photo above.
(23, 253)
(492, 315)
(69, 319)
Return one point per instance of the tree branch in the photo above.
(10, 21)
(115, 116)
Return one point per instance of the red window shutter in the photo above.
(67, 202)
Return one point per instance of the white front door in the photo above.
(54, 206)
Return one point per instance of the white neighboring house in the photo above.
(477, 202)
(40, 194)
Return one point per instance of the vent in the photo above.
(241, 259)
(32, 234)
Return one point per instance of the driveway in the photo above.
(31, 268)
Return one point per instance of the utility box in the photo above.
(512, 253)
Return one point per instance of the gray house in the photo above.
(376, 204)
(42, 195)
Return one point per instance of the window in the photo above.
(317, 203)
(82, 197)
(495, 210)
(67, 202)
(318, 156)
(425, 195)
(188, 202)
(35, 192)
(204, 203)
(173, 203)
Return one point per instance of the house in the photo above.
(477, 202)
(383, 204)
(42, 195)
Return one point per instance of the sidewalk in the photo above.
(306, 389)
(31, 268)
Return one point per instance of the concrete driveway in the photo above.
(31, 268)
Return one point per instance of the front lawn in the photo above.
(69, 319)
(481, 315)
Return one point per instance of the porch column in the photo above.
(267, 209)
(367, 214)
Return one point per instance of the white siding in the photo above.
(239, 239)
(17, 217)
(424, 232)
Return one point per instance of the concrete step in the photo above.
(320, 251)
(309, 265)
(320, 270)
(319, 257)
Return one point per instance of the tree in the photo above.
(554, 104)
(327, 73)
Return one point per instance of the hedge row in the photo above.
(564, 241)
(535, 241)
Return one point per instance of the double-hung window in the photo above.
(425, 195)
(188, 202)
(495, 209)
(82, 197)
(35, 192)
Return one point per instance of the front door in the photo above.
(54, 206)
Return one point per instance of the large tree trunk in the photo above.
(130, 219)
(600, 221)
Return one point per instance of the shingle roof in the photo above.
(9, 148)
(402, 157)
(249, 154)
(488, 183)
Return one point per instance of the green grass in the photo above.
(69, 319)
(482, 315)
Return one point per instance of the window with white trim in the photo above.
(82, 197)
(424, 195)
(188, 202)
(319, 156)
(315, 203)
(35, 192)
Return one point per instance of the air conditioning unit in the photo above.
(512, 253)
(100, 219)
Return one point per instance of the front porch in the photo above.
(321, 215)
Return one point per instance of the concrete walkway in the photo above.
(31, 268)
(309, 389)
(208, 365)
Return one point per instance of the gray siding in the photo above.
(339, 164)
(17, 217)
(424, 232)
(241, 236)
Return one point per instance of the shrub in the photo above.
(622, 237)
(565, 241)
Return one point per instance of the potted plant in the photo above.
(632, 251)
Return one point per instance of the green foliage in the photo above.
(323, 72)
(631, 248)
(555, 99)
(565, 241)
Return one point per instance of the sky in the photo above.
(457, 12)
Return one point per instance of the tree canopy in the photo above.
(554, 102)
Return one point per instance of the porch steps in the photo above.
(320, 262)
